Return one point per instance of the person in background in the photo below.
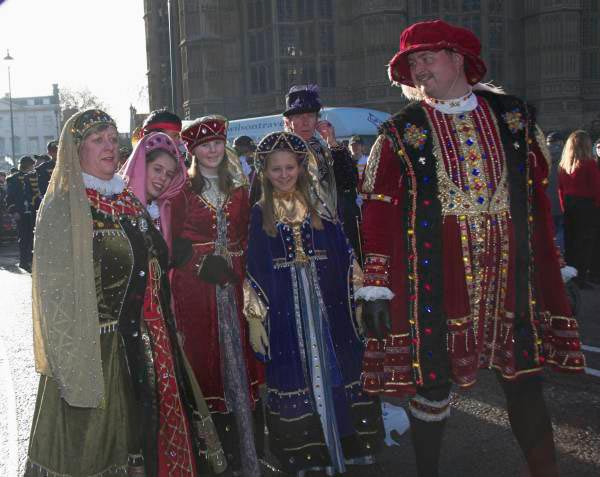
(161, 120)
(124, 153)
(301, 316)
(331, 170)
(244, 147)
(555, 143)
(357, 148)
(44, 170)
(209, 223)
(21, 197)
(579, 193)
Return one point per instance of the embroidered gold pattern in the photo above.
(373, 164)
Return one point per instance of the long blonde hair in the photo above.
(266, 201)
(578, 148)
(199, 183)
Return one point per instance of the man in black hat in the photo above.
(44, 170)
(333, 173)
(20, 197)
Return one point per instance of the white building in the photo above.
(36, 121)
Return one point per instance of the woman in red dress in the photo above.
(209, 228)
(579, 194)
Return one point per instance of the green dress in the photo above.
(121, 435)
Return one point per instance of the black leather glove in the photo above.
(376, 318)
(182, 252)
(215, 269)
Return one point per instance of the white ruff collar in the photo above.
(113, 186)
(454, 106)
(153, 210)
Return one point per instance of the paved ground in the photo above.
(478, 441)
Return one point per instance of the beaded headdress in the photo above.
(203, 130)
(280, 141)
(87, 119)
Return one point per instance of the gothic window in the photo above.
(305, 9)
(325, 9)
(471, 5)
(430, 6)
(288, 74)
(496, 67)
(327, 74)
(285, 10)
(326, 41)
(473, 23)
(260, 46)
(254, 80)
(262, 79)
(495, 6)
(269, 42)
(287, 40)
(252, 47)
(496, 26)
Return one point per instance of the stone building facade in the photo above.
(239, 57)
(36, 121)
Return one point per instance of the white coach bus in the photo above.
(347, 122)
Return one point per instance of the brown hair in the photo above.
(266, 201)
(152, 155)
(578, 148)
(225, 176)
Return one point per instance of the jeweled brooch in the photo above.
(415, 136)
(514, 120)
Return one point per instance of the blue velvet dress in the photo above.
(317, 414)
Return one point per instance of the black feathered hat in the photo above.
(302, 99)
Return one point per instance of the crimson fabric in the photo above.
(583, 182)
(161, 126)
(204, 130)
(388, 366)
(175, 449)
(434, 36)
(195, 301)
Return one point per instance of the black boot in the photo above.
(531, 425)
(427, 442)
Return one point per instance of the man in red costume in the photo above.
(460, 268)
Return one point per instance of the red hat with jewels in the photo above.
(203, 130)
(434, 36)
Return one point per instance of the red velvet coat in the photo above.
(456, 223)
(195, 301)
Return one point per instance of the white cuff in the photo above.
(568, 273)
(373, 293)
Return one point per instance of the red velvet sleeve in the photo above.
(178, 212)
(381, 227)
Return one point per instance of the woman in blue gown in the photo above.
(301, 316)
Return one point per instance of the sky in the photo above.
(94, 44)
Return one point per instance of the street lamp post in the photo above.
(12, 124)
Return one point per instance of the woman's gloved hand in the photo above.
(215, 269)
(376, 318)
(259, 340)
